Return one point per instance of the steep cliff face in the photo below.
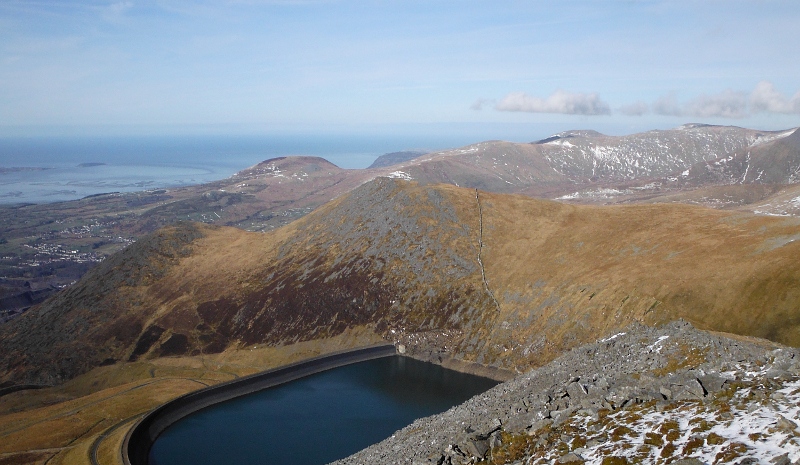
(505, 281)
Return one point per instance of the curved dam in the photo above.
(140, 439)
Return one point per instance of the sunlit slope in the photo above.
(563, 274)
(500, 280)
(582, 158)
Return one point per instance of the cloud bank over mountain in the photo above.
(728, 104)
(765, 98)
(559, 102)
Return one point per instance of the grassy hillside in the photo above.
(505, 281)
(567, 274)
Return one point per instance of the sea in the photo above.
(55, 169)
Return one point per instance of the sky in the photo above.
(251, 66)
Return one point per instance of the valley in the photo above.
(496, 258)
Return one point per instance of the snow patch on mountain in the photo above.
(399, 175)
(764, 138)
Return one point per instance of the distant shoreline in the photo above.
(76, 181)
(16, 169)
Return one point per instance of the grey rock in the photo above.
(688, 388)
(778, 373)
(576, 390)
(617, 372)
(563, 415)
(595, 442)
(590, 403)
(597, 391)
(522, 421)
(495, 440)
(571, 458)
(496, 424)
(477, 447)
(536, 426)
(782, 460)
(712, 382)
(786, 424)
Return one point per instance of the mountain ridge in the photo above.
(586, 167)
(403, 259)
(394, 158)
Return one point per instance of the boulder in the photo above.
(786, 424)
(571, 458)
(576, 390)
(712, 382)
(522, 421)
(477, 447)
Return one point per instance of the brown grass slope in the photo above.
(405, 261)
(569, 274)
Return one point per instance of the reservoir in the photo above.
(319, 418)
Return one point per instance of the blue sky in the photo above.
(265, 66)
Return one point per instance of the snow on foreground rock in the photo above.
(651, 395)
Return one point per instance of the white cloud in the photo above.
(634, 109)
(668, 105)
(728, 104)
(560, 102)
(480, 103)
(765, 98)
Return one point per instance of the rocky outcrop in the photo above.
(652, 394)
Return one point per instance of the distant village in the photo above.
(48, 262)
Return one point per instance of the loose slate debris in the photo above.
(672, 394)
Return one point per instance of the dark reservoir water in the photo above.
(317, 419)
